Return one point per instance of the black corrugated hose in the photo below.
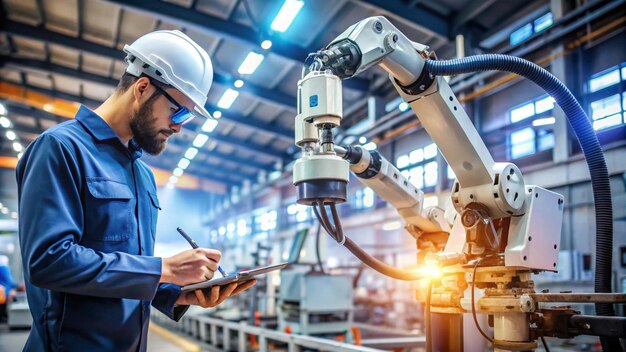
(588, 142)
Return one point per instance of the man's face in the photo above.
(152, 125)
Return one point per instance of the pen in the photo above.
(195, 245)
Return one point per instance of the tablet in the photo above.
(244, 275)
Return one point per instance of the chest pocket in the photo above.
(109, 210)
(154, 212)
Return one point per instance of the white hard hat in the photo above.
(173, 58)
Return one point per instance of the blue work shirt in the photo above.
(88, 213)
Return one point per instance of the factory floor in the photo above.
(159, 340)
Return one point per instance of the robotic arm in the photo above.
(506, 227)
(491, 198)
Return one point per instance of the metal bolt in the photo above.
(395, 38)
(422, 87)
(587, 326)
(378, 26)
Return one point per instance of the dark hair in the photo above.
(126, 81)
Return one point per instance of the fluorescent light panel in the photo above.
(177, 172)
(286, 15)
(209, 125)
(191, 153)
(250, 63)
(200, 140)
(183, 163)
(228, 98)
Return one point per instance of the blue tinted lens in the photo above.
(182, 116)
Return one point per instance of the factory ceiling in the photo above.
(57, 51)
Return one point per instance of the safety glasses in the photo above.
(182, 115)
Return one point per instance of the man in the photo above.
(88, 208)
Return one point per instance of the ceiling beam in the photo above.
(427, 21)
(22, 64)
(41, 34)
(218, 176)
(238, 143)
(228, 30)
(228, 157)
(470, 11)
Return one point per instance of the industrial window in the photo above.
(298, 213)
(608, 98)
(364, 198)
(607, 112)
(420, 166)
(533, 131)
(266, 221)
(543, 22)
(527, 30)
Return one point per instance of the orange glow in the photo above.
(8, 162)
(40, 101)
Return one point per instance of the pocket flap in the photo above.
(108, 189)
(155, 200)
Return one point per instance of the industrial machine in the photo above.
(477, 257)
(311, 301)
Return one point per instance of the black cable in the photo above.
(321, 221)
(545, 345)
(326, 221)
(338, 229)
(473, 304)
(317, 247)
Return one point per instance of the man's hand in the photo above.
(213, 296)
(190, 266)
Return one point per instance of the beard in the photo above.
(144, 133)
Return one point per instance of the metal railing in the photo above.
(224, 335)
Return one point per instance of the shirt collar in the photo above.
(101, 130)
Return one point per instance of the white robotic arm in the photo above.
(490, 197)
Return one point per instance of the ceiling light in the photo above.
(404, 106)
(362, 140)
(5, 210)
(238, 83)
(178, 172)
(17, 147)
(191, 153)
(4, 122)
(217, 114)
(392, 225)
(228, 98)
(19, 155)
(286, 15)
(3, 110)
(266, 44)
(10, 135)
(209, 125)
(183, 163)
(199, 141)
(14, 215)
(544, 121)
(170, 186)
(173, 179)
(250, 63)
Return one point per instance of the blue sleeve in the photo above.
(165, 300)
(51, 227)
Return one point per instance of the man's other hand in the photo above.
(190, 266)
(213, 296)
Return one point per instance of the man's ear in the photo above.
(140, 87)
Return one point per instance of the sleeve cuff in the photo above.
(165, 301)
